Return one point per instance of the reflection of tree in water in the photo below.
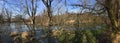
(20, 27)
(5, 39)
(5, 28)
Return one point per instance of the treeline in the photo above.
(69, 19)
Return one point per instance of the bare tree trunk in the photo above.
(48, 3)
(30, 8)
(113, 14)
(112, 7)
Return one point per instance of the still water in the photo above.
(6, 29)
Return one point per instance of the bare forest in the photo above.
(59, 21)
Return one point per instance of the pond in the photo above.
(6, 29)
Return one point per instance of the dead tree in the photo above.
(48, 5)
(8, 15)
(30, 8)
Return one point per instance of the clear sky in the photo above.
(14, 5)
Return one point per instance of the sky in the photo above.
(14, 5)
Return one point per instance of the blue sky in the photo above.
(13, 5)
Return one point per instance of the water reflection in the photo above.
(40, 31)
(7, 28)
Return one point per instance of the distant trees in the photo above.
(8, 15)
(18, 18)
(6, 12)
